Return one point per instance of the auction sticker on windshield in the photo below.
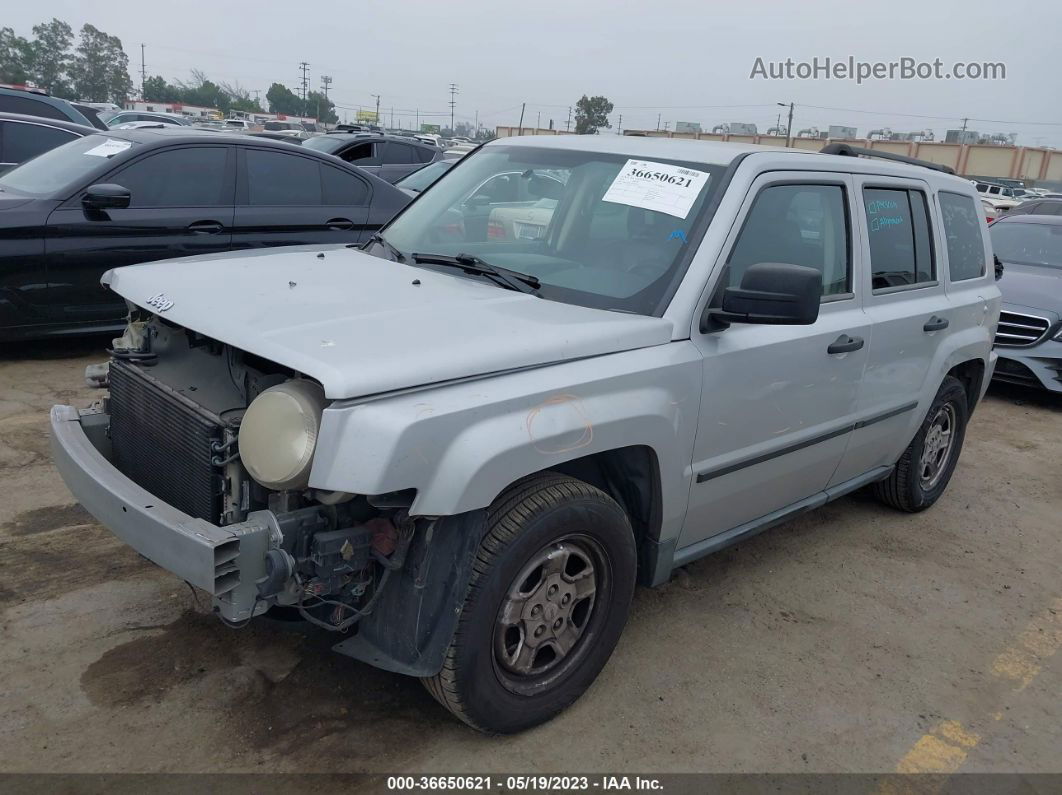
(657, 186)
(108, 148)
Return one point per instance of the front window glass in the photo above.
(1028, 244)
(901, 252)
(544, 212)
(799, 224)
(64, 167)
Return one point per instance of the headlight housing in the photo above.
(278, 434)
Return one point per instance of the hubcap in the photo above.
(936, 449)
(546, 609)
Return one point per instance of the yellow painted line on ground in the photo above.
(1040, 639)
(944, 748)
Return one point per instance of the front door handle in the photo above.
(935, 324)
(340, 224)
(845, 344)
(205, 227)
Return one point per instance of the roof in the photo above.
(725, 153)
(60, 123)
(1029, 218)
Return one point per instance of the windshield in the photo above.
(1028, 244)
(419, 180)
(596, 229)
(60, 168)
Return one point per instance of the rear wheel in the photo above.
(550, 593)
(926, 466)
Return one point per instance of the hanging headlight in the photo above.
(278, 434)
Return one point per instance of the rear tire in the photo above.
(550, 592)
(926, 466)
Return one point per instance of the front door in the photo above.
(778, 401)
(181, 205)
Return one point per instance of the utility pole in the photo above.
(392, 117)
(666, 123)
(962, 135)
(789, 125)
(453, 104)
(522, 107)
(538, 122)
(305, 67)
(619, 125)
(476, 133)
(568, 124)
(658, 120)
(326, 83)
(143, 72)
(377, 97)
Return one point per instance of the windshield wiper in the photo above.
(378, 238)
(512, 280)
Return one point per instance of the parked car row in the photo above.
(103, 200)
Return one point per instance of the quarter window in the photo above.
(798, 224)
(901, 250)
(962, 230)
(192, 177)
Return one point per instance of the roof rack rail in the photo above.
(857, 151)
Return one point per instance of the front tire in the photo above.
(926, 466)
(550, 593)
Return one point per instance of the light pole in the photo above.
(789, 125)
(377, 97)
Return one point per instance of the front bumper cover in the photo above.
(226, 562)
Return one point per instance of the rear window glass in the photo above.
(901, 253)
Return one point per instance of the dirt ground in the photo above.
(852, 639)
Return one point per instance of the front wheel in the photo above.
(926, 466)
(550, 592)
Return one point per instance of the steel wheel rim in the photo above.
(937, 446)
(541, 626)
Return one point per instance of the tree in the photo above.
(591, 113)
(101, 68)
(50, 59)
(321, 107)
(15, 57)
(156, 89)
(282, 99)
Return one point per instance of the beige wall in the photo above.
(508, 132)
(982, 160)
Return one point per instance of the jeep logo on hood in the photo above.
(159, 301)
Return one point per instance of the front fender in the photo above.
(460, 444)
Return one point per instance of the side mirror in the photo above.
(774, 293)
(105, 196)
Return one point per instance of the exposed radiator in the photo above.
(162, 442)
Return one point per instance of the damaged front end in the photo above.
(167, 462)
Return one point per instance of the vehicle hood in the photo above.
(1032, 287)
(361, 325)
(9, 201)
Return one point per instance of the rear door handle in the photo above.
(205, 227)
(340, 224)
(935, 324)
(845, 344)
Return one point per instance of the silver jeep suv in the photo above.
(572, 364)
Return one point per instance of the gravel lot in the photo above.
(852, 639)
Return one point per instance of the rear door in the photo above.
(398, 160)
(289, 199)
(905, 300)
(181, 204)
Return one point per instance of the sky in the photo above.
(671, 60)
